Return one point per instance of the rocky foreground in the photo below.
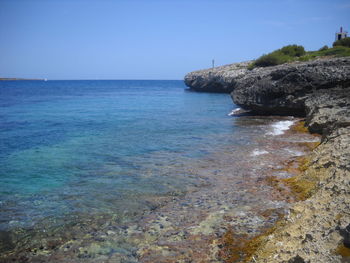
(316, 229)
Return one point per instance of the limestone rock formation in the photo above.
(219, 79)
(328, 109)
(283, 89)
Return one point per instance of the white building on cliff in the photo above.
(340, 35)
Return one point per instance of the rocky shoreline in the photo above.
(264, 202)
(232, 196)
(183, 227)
(317, 228)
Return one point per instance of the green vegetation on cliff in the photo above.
(290, 53)
(280, 56)
(337, 51)
(345, 42)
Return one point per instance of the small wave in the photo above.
(279, 127)
(234, 112)
(295, 152)
(257, 152)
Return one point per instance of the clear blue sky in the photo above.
(154, 39)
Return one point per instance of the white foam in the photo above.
(257, 152)
(279, 127)
(233, 112)
(295, 152)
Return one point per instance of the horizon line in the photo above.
(46, 79)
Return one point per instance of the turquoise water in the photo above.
(90, 147)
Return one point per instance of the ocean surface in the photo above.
(77, 146)
(101, 154)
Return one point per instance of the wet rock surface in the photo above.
(316, 230)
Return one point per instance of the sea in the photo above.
(97, 164)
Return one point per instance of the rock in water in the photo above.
(283, 89)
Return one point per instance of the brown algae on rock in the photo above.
(301, 185)
(311, 229)
(310, 145)
(300, 127)
(343, 251)
(304, 184)
(240, 247)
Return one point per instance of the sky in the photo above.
(155, 39)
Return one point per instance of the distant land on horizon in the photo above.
(19, 79)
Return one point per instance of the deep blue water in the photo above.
(101, 146)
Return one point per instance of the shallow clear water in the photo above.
(101, 146)
(134, 171)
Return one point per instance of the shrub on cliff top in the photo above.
(280, 56)
(293, 51)
(345, 42)
(271, 59)
(323, 48)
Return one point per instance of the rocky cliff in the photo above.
(316, 229)
(219, 79)
(284, 89)
(281, 89)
